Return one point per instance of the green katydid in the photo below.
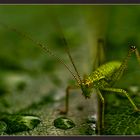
(103, 78)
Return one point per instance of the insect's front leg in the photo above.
(65, 111)
(125, 93)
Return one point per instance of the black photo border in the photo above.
(69, 1)
(114, 2)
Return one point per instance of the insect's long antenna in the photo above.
(67, 47)
(43, 47)
(68, 52)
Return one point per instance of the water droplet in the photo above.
(19, 123)
(93, 126)
(92, 119)
(63, 123)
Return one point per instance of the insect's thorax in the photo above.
(99, 78)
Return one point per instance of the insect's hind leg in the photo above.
(65, 111)
(99, 60)
(137, 55)
(117, 75)
(117, 90)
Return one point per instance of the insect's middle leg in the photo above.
(125, 93)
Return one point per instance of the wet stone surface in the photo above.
(39, 100)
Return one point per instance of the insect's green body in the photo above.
(100, 78)
(103, 78)
(103, 72)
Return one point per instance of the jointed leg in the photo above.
(65, 111)
(99, 60)
(137, 55)
(100, 111)
(124, 92)
(117, 75)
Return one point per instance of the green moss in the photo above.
(122, 119)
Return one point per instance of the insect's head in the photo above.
(86, 90)
(133, 48)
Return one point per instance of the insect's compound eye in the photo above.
(133, 48)
(86, 85)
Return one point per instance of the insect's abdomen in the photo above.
(105, 70)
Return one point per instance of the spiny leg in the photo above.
(137, 55)
(117, 90)
(117, 75)
(65, 111)
(101, 111)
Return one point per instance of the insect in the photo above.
(103, 78)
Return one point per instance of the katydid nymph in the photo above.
(103, 78)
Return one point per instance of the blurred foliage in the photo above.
(31, 81)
